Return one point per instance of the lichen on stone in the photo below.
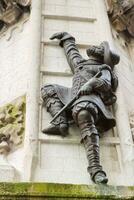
(12, 123)
(64, 191)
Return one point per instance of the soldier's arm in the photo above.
(114, 81)
(109, 77)
(67, 41)
(101, 84)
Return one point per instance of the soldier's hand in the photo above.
(85, 90)
(58, 35)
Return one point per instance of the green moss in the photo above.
(12, 120)
(64, 191)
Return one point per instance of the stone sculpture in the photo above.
(11, 11)
(12, 125)
(131, 120)
(121, 13)
(96, 82)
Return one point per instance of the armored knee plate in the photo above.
(53, 104)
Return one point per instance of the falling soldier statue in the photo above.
(94, 84)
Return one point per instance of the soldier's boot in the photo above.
(91, 144)
(54, 105)
(60, 125)
(52, 129)
(90, 139)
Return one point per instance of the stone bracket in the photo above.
(11, 11)
(121, 14)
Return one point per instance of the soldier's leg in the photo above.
(90, 139)
(54, 105)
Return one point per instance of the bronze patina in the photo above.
(88, 101)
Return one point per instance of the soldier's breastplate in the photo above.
(79, 79)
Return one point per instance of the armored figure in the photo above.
(90, 111)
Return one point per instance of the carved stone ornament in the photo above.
(11, 11)
(131, 120)
(12, 125)
(121, 13)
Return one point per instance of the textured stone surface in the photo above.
(121, 14)
(7, 173)
(65, 191)
(12, 129)
(131, 119)
(54, 69)
(12, 122)
(20, 58)
(11, 12)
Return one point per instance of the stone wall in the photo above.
(64, 160)
(27, 57)
(19, 55)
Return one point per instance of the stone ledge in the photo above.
(73, 139)
(80, 44)
(37, 191)
(69, 18)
